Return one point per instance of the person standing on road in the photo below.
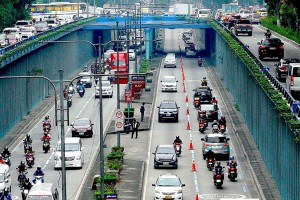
(135, 128)
(142, 110)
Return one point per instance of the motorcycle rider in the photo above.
(222, 121)
(204, 82)
(71, 89)
(65, 91)
(268, 33)
(231, 162)
(210, 154)
(215, 122)
(200, 61)
(5, 195)
(21, 168)
(38, 172)
(219, 168)
(81, 87)
(46, 136)
(5, 152)
(177, 140)
(27, 185)
(28, 139)
(47, 122)
(214, 100)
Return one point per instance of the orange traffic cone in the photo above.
(188, 127)
(191, 145)
(193, 166)
(186, 99)
(187, 111)
(197, 197)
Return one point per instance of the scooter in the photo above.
(268, 34)
(38, 180)
(201, 127)
(222, 128)
(30, 159)
(69, 101)
(46, 145)
(6, 159)
(196, 102)
(218, 178)
(215, 129)
(178, 148)
(210, 163)
(24, 193)
(81, 92)
(232, 173)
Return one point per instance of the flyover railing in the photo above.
(291, 100)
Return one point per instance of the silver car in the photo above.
(219, 144)
(107, 89)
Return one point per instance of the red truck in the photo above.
(123, 68)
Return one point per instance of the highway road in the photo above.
(164, 133)
(87, 106)
(290, 49)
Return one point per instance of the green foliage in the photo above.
(108, 189)
(114, 164)
(270, 22)
(115, 155)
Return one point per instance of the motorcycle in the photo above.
(46, 145)
(6, 159)
(210, 163)
(268, 34)
(204, 83)
(71, 90)
(69, 101)
(46, 125)
(24, 193)
(218, 178)
(38, 180)
(200, 62)
(222, 128)
(215, 128)
(81, 93)
(202, 127)
(178, 148)
(22, 177)
(27, 146)
(197, 102)
(30, 159)
(232, 173)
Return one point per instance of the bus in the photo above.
(58, 7)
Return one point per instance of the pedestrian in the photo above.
(142, 110)
(135, 128)
(127, 127)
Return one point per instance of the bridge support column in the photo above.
(148, 43)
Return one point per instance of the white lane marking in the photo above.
(150, 142)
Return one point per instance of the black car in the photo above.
(168, 109)
(165, 156)
(271, 47)
(281, 70)
(82, 127)
(204, 92)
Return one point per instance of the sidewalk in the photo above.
(131, 178)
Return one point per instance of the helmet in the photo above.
(45, 133)
(204, 78)
(215, 121)
(177, 137)
(39, 167)
(27, 180)
(5, 149)
(268, 30)
(22, 163)
(27, 136)
(47, 117)
(6, 191)
(218, 163)
(231, 158)
(223, 117)
(209, 148)
(214, 98)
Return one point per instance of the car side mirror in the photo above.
(82, 148)
(194, 90)
(158, 106)
(227, 139)
(282, 43)
(202, 139)
(153, 153)
(258, 43)
(153, 184)
(92, 124)
(182, 185)
(176, 81)
(6, 180)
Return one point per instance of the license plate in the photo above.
(81, 133)
(232, 172)
(217, 147)
(273, 48)
(168, 197)
(30, 159)
(218, 181)
(210, 163)
(168, 114)
(165, 163)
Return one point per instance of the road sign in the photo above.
(119, 114)
(128, 96)
(119, 120)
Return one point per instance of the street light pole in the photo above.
(101, 128)
(118, 83)
(62, 136)
(135, 44)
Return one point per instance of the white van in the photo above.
(5, 177)
(73, 153)
(293, 78)
(170, 60)
(44, 191)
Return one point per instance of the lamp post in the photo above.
(118, 83)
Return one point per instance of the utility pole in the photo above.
(101, 127)
(135, 44)
(62, 137)
(118, 83)
(140, 32)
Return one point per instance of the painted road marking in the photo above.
(226, 196)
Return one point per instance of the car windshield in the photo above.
(207, 107)
(41, 24)
(296, 72)
(82, 122)
(167, 105)
(105, 84)
(69, 147)
(39, 197)
(1, 177)
(168, 182)
(169, 79)
(25, 30)
(165, 150)
(216, 139)
(274, 42)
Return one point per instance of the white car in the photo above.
(41, 26)
(73, 153)
(168, 186)
(86, 80)
(27, 32)
(23, 23)
(131, 54)
(169, 84)
(107, 89)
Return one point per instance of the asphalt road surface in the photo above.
(164, 133)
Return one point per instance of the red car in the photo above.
(82, 127)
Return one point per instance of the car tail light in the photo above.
(292, 78)
(232, 168)
(283, 68)
(262, 47)
(251, 26)
(226, 144)
(207, 145)
(281, 47)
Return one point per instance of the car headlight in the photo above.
(157, 158)
(89, 128)
(157, 191)
(73, 129)
(78, 157)
(179, 191)
(174, 158)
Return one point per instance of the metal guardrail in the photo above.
(291, 100)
